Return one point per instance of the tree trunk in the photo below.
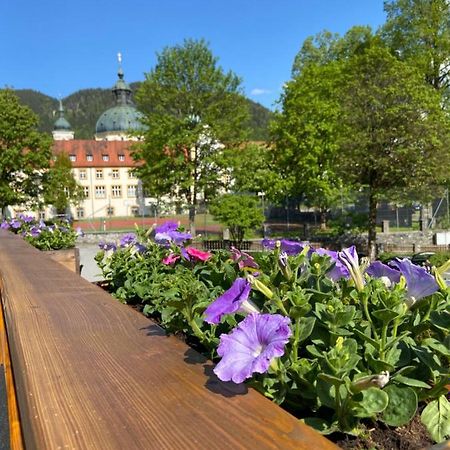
(192, 219)
(372, 226)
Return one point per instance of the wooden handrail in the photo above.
(91, 373)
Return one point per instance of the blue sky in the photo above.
(58, 47)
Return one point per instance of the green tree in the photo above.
(252, 168)
(24, 153)
(419, 32)
(240, 213)
(193, 110)
(305, 135)
(61, 189)
(393, 137)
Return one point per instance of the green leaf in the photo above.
(367, 338)
(437, 346)
(436, 417)
(321, 425)
(440, 320)
(330, 379)
(385, 315)
(369, 402)
(402, 405)
(306, 325)
(411, 382)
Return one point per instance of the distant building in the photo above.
(62, 131)
(103, 166)
(105, 170)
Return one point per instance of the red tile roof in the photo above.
(80, 149)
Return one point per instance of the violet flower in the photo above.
(140, 248)
(349, 258)
(290, 247)
(166, 226)
(166, 237)
(107, 246)
(35, 231)
(229, 302)
(127, 240)
(251, 346)
(26, 219)
(387, 274)
(419, 283)
(4, 225)
(15, 224)
(338, 271)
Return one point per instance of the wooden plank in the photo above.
(69, 258)
(92, 373)
(15, 433)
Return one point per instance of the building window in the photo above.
(116, 191)
(131, 191)
(131, 174)
(41, 215)
(121, 157)
(89, 158)
(86, 191)
(99, 174)
(80, 213)
(72, 158)
(100, 192)
(82, 174)
(110, 211)
(115, 173)
(135, 210)
(105, 157)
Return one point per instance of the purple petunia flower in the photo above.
(166, 226)
(339, 270)
(127, 240)
(379, 270)
(26, 219)
(107, 246)
(35, 231)
(229, 302)
(419, 283)
(166, 237)
(251, 346)
(79, 232)
(15, 224)
(141, 248)
(290, 247)
(5, 225)
(349, 258)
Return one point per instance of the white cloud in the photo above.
(259, 91)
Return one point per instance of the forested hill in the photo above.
(83, 108)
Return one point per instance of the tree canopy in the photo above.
(193, 109)
(24, 153)
(418, 31)
(60, 188)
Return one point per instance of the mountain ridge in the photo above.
(84, 107)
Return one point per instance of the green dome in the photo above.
(119, 118)
(61, 123)
(122, 117)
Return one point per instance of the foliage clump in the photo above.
(340, 343)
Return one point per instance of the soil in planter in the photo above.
(412, 436)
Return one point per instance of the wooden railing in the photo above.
(91, 373)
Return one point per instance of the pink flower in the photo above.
(243, 259)
(198, 254)
(171, 259)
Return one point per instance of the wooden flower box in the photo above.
(84, 371)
